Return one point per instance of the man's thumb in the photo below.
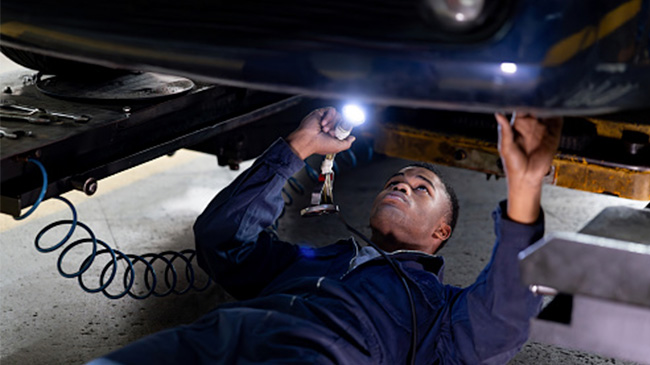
(505, 130)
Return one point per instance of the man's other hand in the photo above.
(527, 148)
(316, 134)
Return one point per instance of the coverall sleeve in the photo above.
(231, 244)
(490, 318)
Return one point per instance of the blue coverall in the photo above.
(299, 305)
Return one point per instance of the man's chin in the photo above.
(384, 215)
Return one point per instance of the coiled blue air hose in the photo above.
(41, 195)
(151, 281)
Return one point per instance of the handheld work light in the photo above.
(322, 201)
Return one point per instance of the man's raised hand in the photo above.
(316, 134)
(527, 148)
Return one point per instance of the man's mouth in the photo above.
(395, 195)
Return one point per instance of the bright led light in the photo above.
(460, 17)
(508, 67)
(354, 114)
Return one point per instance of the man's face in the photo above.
(410, 211)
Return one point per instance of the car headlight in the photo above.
(455, 14)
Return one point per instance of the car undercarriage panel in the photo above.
(84, 138)
(552, 57)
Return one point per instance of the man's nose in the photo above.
(404, 188)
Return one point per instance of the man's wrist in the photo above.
(524, 202)
(298, 147)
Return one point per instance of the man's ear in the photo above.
(443, 231)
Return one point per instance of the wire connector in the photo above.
(326, 166)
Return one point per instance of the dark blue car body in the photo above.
(550, 57)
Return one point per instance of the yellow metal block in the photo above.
(581, 174)
(568, 171)
(414, 144)
(609, 129)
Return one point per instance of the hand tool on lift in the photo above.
(35, 115)
(14, 133)
(322, 198)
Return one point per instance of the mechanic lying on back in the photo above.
(344, 304)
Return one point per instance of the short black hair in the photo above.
(451, 194)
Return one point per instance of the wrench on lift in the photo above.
(36, 115)
(14, 133)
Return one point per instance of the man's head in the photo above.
(416, 210)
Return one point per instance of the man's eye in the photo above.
(391, 183)
(423, 188)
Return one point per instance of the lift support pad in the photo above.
(602, 275)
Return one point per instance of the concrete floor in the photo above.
(47, 319)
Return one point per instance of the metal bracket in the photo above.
(603, 279)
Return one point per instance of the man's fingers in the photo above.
(329, 120)
(330, 124)
(319, 113)
(501, 119)
(350, 140)
(330, 114)
(554, 125)
(553, 132)
(346, 143)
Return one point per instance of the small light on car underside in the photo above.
(508, 67)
